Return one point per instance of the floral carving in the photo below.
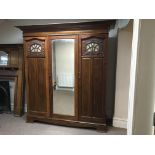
(92, 47)
(36, 48)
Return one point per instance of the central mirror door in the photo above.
(63, 76)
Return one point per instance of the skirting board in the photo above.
(25, 109)
(12, 106)
(120, 123)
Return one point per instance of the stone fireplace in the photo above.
(10, 98)
(11, 79)
(5, 102)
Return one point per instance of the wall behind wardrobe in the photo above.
(9, 34)
(122, 75)
(144, 100)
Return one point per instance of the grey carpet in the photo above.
(11, 125)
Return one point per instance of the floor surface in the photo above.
(11, 125)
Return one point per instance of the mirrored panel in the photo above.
(3, 58)
(63, 76)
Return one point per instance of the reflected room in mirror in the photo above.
(3, 58)
(63, 76)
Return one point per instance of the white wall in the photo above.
(122, 76)
(144, 98)
(9, 34)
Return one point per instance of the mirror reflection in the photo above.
(3, 58)
(63, 76)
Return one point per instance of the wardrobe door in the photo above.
(36, 76)
(93, 60)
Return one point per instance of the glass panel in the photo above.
(63, 76)
(3, 58)
(35, 48)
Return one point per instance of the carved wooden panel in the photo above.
(93, 47)
(92, 78)
(86, 85)
(98, 81)
(36, 76)
(37, 85)
(36, 48)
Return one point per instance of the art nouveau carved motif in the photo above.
(36, 48)
(92, 47)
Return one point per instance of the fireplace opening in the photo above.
(5, 104)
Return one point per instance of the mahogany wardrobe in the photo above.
(66, 73)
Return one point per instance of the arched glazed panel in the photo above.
(92, 47)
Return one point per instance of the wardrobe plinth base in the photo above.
(29, 119)
(70, 123)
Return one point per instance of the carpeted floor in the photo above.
(11, 125)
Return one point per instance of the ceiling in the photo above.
(44, 21)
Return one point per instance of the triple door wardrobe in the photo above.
(66, 69)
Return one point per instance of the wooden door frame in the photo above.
(64, 36)
(85, 36)
(133, 76)
(26, 57)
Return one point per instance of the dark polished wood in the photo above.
(67, 122)
(103, 25)
(93, 78)
(90, 72)
(36, 78)
(11, 68)
(14, 71)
